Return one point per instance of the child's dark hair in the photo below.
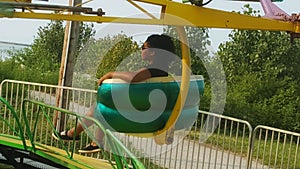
(161, 42)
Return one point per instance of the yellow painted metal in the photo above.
(185, 81)
(56, 154)
(179, 14)
(78, 161)
(141, 9)
(85, 18)
(154, 2)
(27, 1)
(297, 27)
(212, 18)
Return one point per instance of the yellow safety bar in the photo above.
(165, 136)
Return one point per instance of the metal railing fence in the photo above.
(78, 101)
(275, 147)
(214, 141)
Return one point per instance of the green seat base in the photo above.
(122, 122)
(145, 106)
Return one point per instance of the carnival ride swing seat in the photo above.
(155, 107)
(132, 108)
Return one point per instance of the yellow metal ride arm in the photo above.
(28, 1)
(172, 13)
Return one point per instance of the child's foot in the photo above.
(64, 136)
(89, 149)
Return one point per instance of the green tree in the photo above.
(41, 61)
(203, 62)
(6, 67)
(198, 42)
(103, 55)
(45, 53)
(261, 69)
(121, 47)
(258, 51)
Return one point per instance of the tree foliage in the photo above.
(261, 69)
(117, 53)
(121, 47)
(198, 42)
(45, 53)
(41, 61)
(203, 63)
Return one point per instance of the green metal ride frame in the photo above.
(114, 144)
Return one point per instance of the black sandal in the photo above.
(64, 136)
(90, 149)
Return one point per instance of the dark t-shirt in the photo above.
(157, 72)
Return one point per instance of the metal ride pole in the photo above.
(67, 65)
(57, 115)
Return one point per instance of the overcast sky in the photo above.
(24, 30)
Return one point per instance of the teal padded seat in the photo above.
(145, 107)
